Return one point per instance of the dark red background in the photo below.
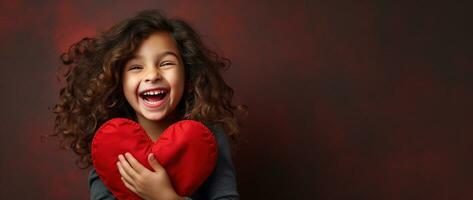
(348, 100)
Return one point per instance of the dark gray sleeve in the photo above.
(98, 191)
(221, 184)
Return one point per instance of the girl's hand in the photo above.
(145, 183)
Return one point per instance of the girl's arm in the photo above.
(221, 184)
(98, 191)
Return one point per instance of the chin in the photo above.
(154, 117)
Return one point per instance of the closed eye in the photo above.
(134, 67)
(166, 63)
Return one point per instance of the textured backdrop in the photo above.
(347, 100)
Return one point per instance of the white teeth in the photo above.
(154, 92)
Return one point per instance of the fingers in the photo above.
(127, 168)
(134, 163)
(154, 163)
(125, 177)
(128, 185)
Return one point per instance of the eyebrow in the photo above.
(138, 57)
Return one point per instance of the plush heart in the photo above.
(186, 149)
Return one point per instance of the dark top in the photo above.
(221, 184)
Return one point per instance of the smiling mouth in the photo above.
(153, 96)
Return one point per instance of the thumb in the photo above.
(154, 163)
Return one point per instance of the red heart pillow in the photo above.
(186, 149)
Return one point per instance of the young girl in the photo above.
(107, 77)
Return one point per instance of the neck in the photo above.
(155, 128)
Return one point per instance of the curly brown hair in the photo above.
(93, 92)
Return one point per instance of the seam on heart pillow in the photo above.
(187, 150)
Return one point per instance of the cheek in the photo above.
(180, 82)
(129, 87)
(176, 81)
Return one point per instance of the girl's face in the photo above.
(153, 80)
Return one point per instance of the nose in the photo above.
(153, 75)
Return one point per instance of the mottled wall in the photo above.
(348, 100)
